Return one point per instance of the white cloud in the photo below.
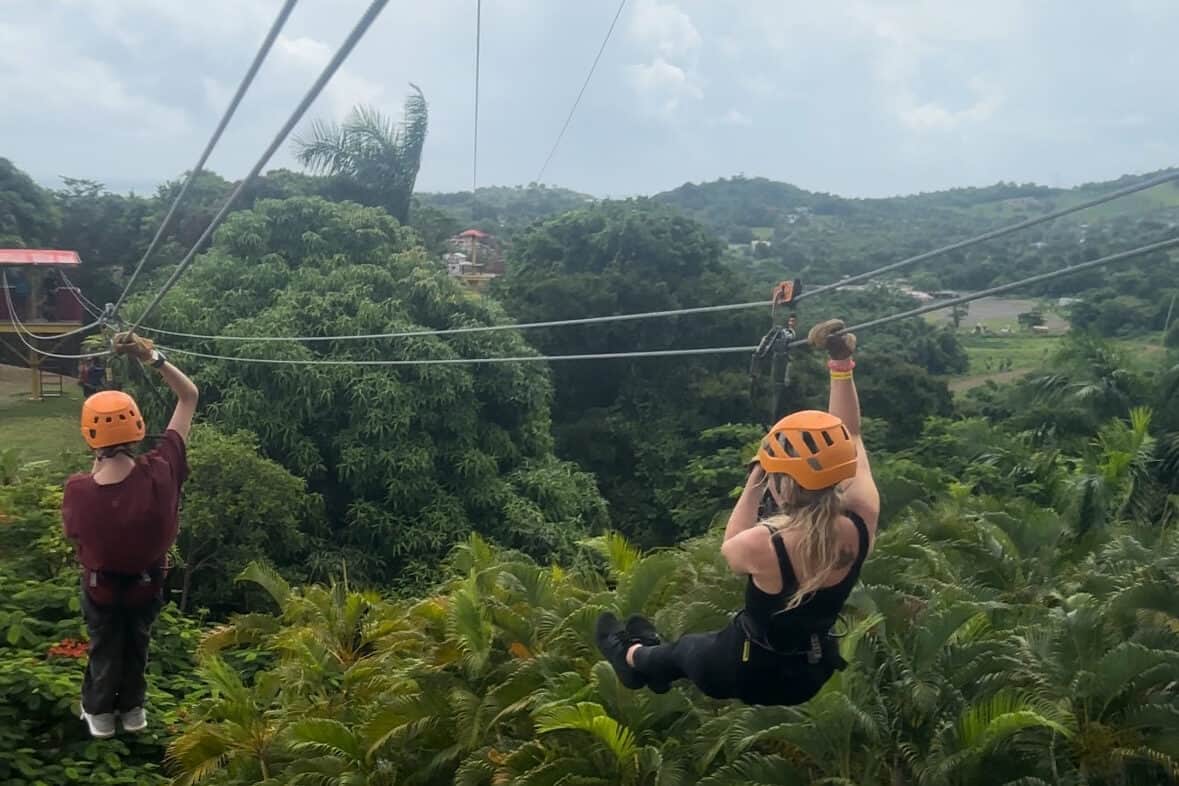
(758, 85)
(663, 85)
(217, 94)
(669, 78)
(931, 116)
(309, 56)
(77, 87)
(734, 117)
(665, 26)
(205, 23)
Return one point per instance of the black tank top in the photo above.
(787, 630)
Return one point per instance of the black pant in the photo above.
(727, 665)
(116, 676)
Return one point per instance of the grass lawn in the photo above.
(1029, 352)
(38, 430)
(1024, 352)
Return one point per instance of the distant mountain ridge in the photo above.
(760, 202)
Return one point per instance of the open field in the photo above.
(990, 354)
(37, 430)
(996, 313)
(1007, 358)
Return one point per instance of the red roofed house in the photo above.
(475, 256)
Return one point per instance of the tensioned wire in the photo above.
(1124, 255)
(991, 235)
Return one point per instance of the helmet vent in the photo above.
(845, 434)
(93, 433)
(814, 464)
(811, 445)
(787, 446)
(108, 419)
(96, 418)
(122, 416)
(827, 438)
(139, 424)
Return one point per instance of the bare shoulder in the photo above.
(847, 546)
(870, 515)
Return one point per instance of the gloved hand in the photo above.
(138, 347)
(839, 347)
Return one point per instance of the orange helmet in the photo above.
(812, 447)
(111, 418)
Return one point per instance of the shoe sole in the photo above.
(632, 680)
(96, 734)
(647, 640)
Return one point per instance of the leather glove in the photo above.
(137, 347)
(839, 347)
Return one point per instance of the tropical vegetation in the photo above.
(389, 574)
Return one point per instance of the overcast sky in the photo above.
(855, 97)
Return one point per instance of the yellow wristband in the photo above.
(841, 375)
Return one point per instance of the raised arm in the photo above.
(744, 513)
(860, 493)
(186, 392)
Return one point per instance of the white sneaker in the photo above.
(134, 720)
(101, 725)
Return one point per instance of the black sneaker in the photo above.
(640, 629)
(613, 641)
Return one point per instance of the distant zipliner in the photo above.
(123, 517)
(802, 562)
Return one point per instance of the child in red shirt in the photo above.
(122, 518)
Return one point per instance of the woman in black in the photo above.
(802, 564)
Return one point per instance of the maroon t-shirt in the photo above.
(127, 527)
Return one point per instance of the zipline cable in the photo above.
(581, 92)
(21, 330)
(1173, 242)
(330, 69)
(998, 290)
(458, 361)
(991, 235)
(263, 51)
(472, 329)
(995, 233)
(83, 301)
(475, 142)
(88, 304)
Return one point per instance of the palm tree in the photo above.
(375, 159)
(1116, 482)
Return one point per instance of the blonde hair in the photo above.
(813, 514)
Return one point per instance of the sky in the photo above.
(852, 97)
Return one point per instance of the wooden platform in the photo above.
(40, 328)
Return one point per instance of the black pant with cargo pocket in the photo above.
(116, 674)
(726, 664)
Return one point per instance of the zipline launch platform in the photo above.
(39, 300)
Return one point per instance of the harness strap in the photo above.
(789, 578)
(124, 580)
(862, 530)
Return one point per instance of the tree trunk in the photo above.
(185, 584)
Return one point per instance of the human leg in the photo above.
(100, 684)
(710, 660)
(138, 621)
